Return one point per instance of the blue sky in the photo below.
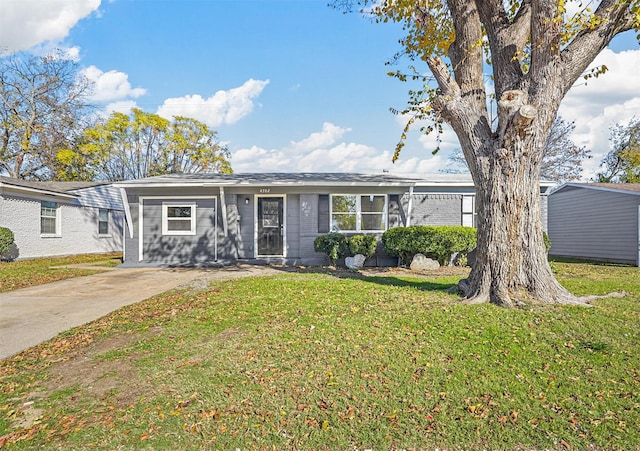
(290, 85)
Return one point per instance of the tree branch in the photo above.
(506, 39)
(466, 51)
(616, 17)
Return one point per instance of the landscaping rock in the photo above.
(355, 262)
(422, 263)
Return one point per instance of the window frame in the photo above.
(359, 213)
(55, 217)
(101, 221)
(469, 210)
(166, 219)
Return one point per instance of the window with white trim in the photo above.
(103, 221)
(49, 218)
(469, 211)
(358, 212)
(178, 219)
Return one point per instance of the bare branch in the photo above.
(615, 17)
(506, 39)
(466, 51)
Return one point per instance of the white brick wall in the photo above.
(78, 232)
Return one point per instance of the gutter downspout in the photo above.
(223, 206)
(409, 206)
(215, 233)
(225, 221)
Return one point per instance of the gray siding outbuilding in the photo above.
(596, 221)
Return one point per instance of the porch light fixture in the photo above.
(246, 201)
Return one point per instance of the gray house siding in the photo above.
(174, 249)
(312, 207)
(307, 212)
(244, 225)
(544, 212)
(293, 226)
(131, 248)
(436, 209)
(594, 224)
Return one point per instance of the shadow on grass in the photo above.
(425, 285)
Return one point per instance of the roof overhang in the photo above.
(610, 189)
(36, 191)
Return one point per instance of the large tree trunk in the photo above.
(511, 262)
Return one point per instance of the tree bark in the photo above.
(511, 261)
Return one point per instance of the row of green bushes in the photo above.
(438, 242)
(336, 245)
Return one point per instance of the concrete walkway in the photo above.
(30, 316)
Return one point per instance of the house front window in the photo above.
(358, 213)
(178, 219)
(48, 218)
(103, 221)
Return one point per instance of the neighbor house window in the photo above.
(358, 213)
(179, 219)
(103, 221)
(48, 218)
(469, 211)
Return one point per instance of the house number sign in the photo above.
(265, 190)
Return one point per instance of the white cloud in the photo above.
(120, 106)
(321, 152)
(600, 103)
(224, 107)
(27, 23)
(329, 135)
(112, 85)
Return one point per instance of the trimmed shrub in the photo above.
(6, 240)
(363, 244)
(334, 245)
(438, 242)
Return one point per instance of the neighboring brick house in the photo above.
(275, 217)
(61, 218)
(596, 221)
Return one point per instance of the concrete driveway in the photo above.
(30, 316)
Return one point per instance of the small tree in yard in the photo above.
(537, 52)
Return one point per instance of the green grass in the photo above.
(37, 271)
(319, 361)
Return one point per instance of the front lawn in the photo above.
(37, 271)
(337, 361)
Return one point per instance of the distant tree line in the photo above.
(50, 130)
